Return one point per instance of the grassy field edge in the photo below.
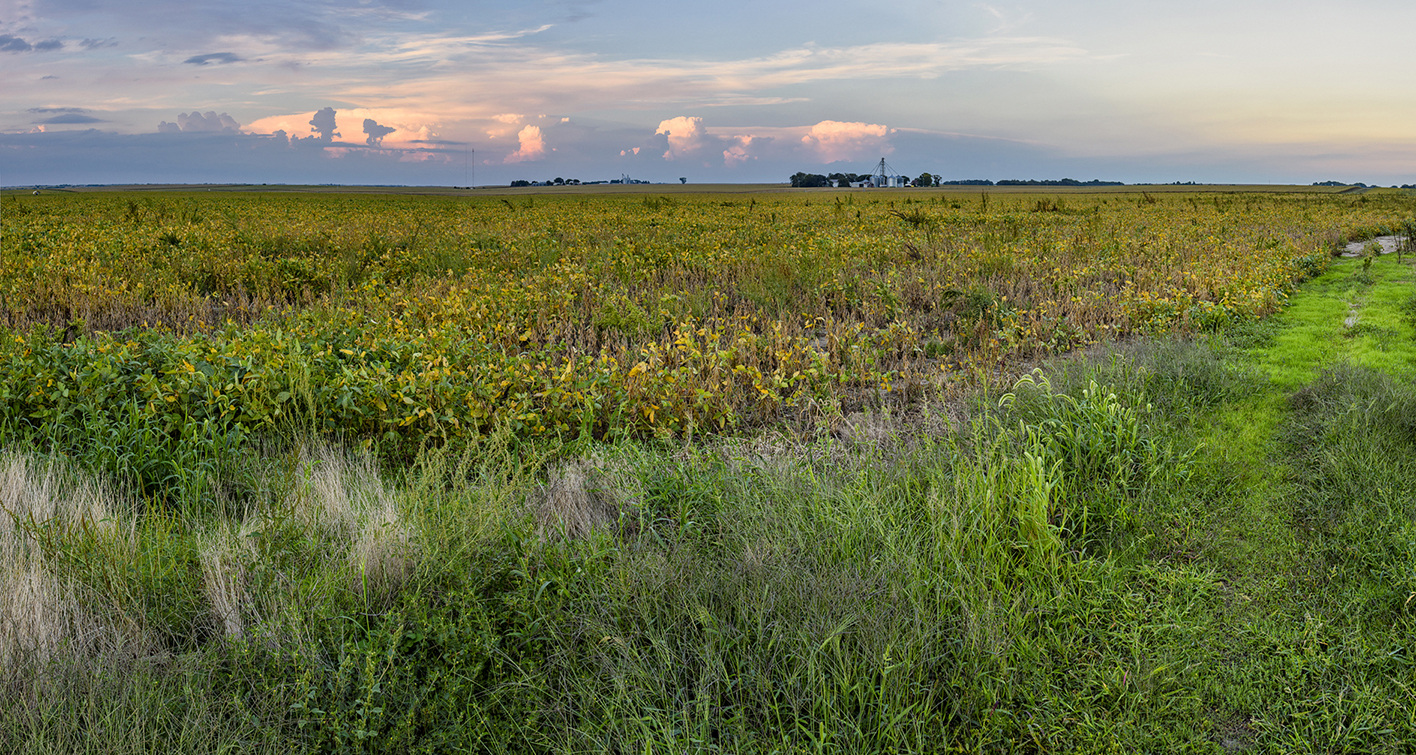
(1169, 545)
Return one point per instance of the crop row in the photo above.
(421, 320)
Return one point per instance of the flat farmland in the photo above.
(749, 469)
(427, 318)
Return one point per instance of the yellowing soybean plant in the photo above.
(426, 320)
(552, 473)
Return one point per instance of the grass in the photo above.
(838, 595)
(1178, 544)
(1347, 314)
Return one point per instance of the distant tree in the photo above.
(683, 180)
(925, 179)
(520, 182)
(845, 179)
(936, 179)
(560, 181)
(809, 180)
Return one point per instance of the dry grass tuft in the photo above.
(578, 497)
(382, 555)
(344, 499)
(348, 517)
(224, 580)
(43, 616)
(331, 489)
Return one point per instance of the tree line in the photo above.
(810, 180)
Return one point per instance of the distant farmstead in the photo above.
(883, 177)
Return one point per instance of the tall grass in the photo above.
(1002, 580)
(857, 595)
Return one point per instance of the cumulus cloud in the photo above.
(532, 146)
(836, 140)
(214, 57)
(11, 43)
(376, 132)
(737, 153)
(685, 134)
(198, 122)
(323, 124)
(504, 124)
(688, 137)
(393, 128)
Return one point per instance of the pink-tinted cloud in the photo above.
(737, 154)
(685, 133)
(533, 146)
(836, 140)
(410, 129)
(503, 124)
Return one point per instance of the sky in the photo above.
(442, 92)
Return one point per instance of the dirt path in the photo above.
(1388, 244)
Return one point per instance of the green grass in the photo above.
(1187, 546)
(1311, 334)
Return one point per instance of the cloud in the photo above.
(737, 154)
(834, 140)
(66, 156)
(192, 25)
(71, 118)
(504, 124)
(685, 134)
(375, 132)
(406, 129)
(56, 110)
(220, 58)
(11, 43)
(533, 147)
(196, 122)
(323, 124)
(94, 44)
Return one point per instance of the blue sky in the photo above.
(432, 92)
